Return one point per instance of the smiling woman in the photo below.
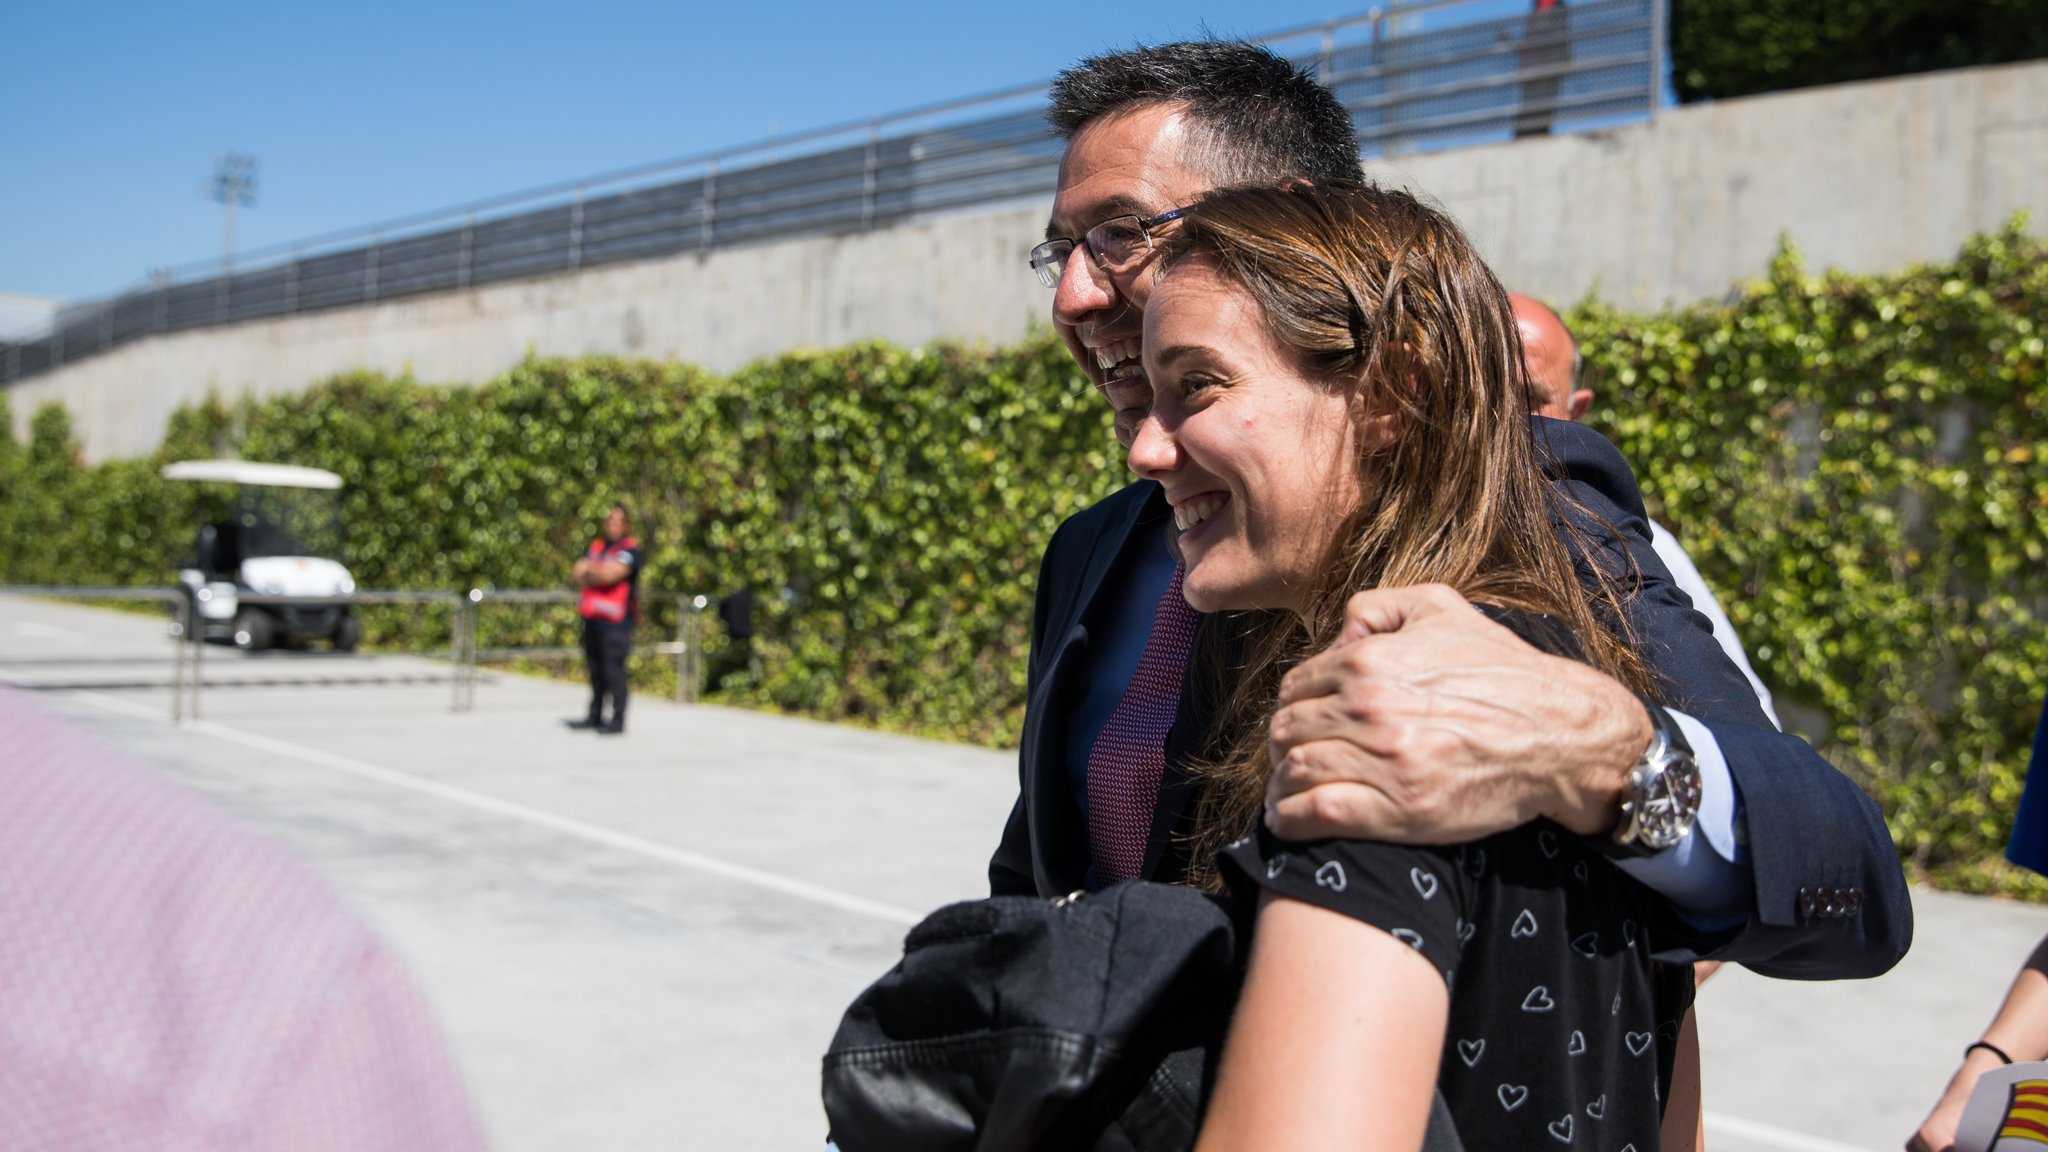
(1256, 456)
(1337, 406)
(1340, 406)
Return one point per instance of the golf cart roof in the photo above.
(250, 472)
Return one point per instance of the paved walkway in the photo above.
(645, 942)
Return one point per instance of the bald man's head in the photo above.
(1553, 360)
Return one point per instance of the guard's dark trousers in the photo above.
(605, 646)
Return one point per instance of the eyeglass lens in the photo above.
(1117, 244)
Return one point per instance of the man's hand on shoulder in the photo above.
(1427, 723)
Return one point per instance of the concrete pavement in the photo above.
(646, 941)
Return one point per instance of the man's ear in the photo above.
(1579, 403)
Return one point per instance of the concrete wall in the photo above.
(1865, 177)
(963, 276)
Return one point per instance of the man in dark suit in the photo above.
(1431, 724)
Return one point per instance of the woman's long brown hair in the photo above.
(1383, 297)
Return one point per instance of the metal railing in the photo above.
(686, 648)
(1434, 74)
(462, 653)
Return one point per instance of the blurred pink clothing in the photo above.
(172, 981)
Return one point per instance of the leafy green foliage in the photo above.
(886, 507)
(1726, 48)
(1859, 465)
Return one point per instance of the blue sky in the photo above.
(111, 115)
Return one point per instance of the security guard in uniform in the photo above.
(608, 572)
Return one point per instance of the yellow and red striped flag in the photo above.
(2025, 1126)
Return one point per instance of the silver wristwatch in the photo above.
(1662, 797)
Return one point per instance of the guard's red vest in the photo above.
(613, 602)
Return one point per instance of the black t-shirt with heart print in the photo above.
(1562, 1029)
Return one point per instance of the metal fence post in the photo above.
(697, 604)
(709, 224)
(182, 612)
(197, 669)
(1657, 26)
(458, 618)
(476, 604)
(370, 270)
(576, 230)
(683, 646)
(867, 188)
(462, 654)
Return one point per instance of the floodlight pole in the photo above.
(234, 183)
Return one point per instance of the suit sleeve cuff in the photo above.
(1705, 876)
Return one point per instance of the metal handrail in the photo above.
(686, 647)
(184, 666)
(188, 657)
(93, 591)
(859, 174)
(371, 596)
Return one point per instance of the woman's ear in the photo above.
(1376, 432)
(1375, 421)
(1376, 411)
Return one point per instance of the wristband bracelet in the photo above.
(1994, 1049)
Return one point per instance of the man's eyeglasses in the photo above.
(1117, 244)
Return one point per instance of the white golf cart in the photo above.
(280, 539)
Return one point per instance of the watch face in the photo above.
(1671, 799)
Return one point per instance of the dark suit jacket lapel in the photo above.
(1110, 545)
(1058, 834)
(1059, 840)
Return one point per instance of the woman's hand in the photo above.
(2020, 1030)
(1938, 1132)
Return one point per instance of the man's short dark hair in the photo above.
(1255, 118)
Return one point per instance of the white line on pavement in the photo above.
(563, 824)
(1719, 1123)
(1722, 1124)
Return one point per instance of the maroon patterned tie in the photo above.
(1129, 756)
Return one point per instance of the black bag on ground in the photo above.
(1019, 1023)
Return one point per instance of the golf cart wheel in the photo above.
(254, 630)
(348, 632)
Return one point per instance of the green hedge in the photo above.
(886, 506)
(1727, 48)
(1856, 463)
(1860, 467)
